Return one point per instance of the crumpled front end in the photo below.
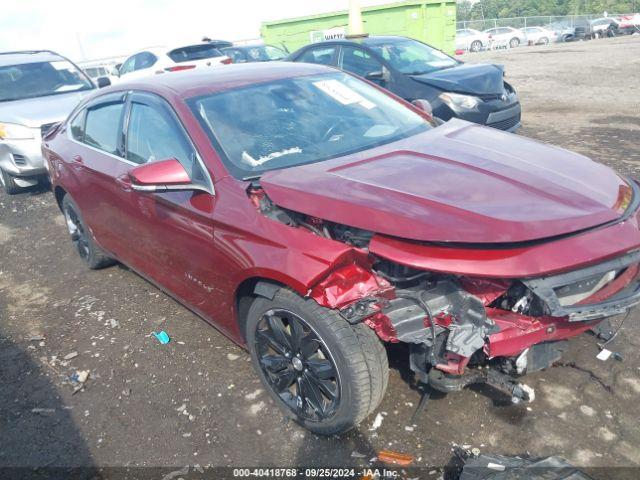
(508, 308)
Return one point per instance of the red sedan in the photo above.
(312, 216)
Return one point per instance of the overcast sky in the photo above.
(95, 29)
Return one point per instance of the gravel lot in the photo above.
(197, 400)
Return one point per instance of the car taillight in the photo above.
(226, 61)
(179, 68)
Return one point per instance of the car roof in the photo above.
(197, 82)
(366, 40)
(28, 56)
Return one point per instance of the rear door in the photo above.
(97, 160)
(171, 232)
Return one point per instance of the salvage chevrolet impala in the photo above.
(312, 217)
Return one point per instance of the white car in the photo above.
(507, 36)
(97, 71)
(164, 59)
(471, 40)
(539, 35)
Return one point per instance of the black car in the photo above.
(414, 70)
(254, 53)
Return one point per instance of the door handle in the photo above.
(124, 183)
(78, 159)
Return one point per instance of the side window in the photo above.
(77, 126)
(102, 126)
(145, 60)
(236, 55)
(128, 66)
(359, 61)
(153, 134)
(323, 55)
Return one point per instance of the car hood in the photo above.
(474, 79)
(460, 182)
(34, 112)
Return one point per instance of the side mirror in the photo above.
(382, 75)
(103, 82)
(162, 176)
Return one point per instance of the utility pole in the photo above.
(356, 27)
(84, 57)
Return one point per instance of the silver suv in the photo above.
(37, 90)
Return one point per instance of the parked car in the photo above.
(539, 35)
(562, 30)
(254, 53)
(160, 60)
(94, 72)
(582, 30)
(312, 216)
(472, 40)
(602, 26)
(617, 26)
(414, 70)
(506, 35)
(217, 43)
(38, 88)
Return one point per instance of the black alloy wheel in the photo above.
(92, 255)
(297, 365)
(77, 231)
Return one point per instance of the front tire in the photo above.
(8, 183)
(323, 372)
(92, 255)
(476, 46)
(514, 42)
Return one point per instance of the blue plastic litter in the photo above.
(162, 337)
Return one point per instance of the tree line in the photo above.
(480, 9)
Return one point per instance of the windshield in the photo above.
(301, 120)
(30, 80)
(414, 58)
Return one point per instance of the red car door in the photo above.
(97, 160)
(170, 232)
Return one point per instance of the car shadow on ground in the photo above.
(38, 436)
(40, 188)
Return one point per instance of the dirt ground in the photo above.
(197, 401)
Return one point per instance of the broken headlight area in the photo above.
(355, 237)
(463, 330)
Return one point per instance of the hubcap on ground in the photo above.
(297, 365)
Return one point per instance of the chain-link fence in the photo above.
(551, 22)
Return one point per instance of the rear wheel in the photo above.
(514, 42)
(8, 183)
(475, 46)
(323, 372)
(87, 248)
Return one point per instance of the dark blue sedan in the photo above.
(414, 70)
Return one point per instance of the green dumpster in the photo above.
(430, 21)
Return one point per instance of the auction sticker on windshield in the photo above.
(342, 93)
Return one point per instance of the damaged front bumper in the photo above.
(620, 294)
(456, 326)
